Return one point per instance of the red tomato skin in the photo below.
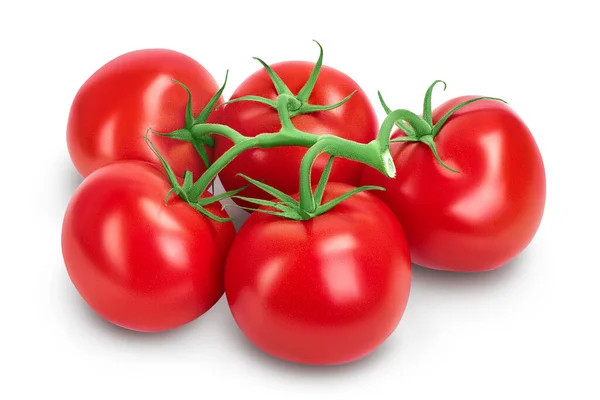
(116, 106)
(280, 167)
(137, 263)
(322, 292)
(483, 217)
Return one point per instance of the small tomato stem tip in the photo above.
(388, 164)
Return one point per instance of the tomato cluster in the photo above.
(340, 206)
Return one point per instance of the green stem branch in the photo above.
(217, 129)
(217, 166)
(370, 154)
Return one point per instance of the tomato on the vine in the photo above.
(355, 120)
(328, 290)
(127, 96)
(138, 262)
(482, 204)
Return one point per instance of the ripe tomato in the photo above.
(325, 291)
(130, 94)
(486, 214)
(137, 262)
(279, 167)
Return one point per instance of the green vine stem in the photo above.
(370, 154)
(375, 153)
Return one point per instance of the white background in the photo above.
(528, 330)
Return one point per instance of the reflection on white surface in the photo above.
(486, 193)
(239, 214)
(340, 274)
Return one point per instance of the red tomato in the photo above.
(132, 93)
(137, 262)
(483, 216)
(325, 291)
(279, 167)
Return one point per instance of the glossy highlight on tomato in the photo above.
(137, 262)
(324, 291)
(485, 214)
(129, 95)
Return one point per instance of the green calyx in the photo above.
(186, 133)
(185, 192)
(422, 129)
(287, 207)
(300, 104)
